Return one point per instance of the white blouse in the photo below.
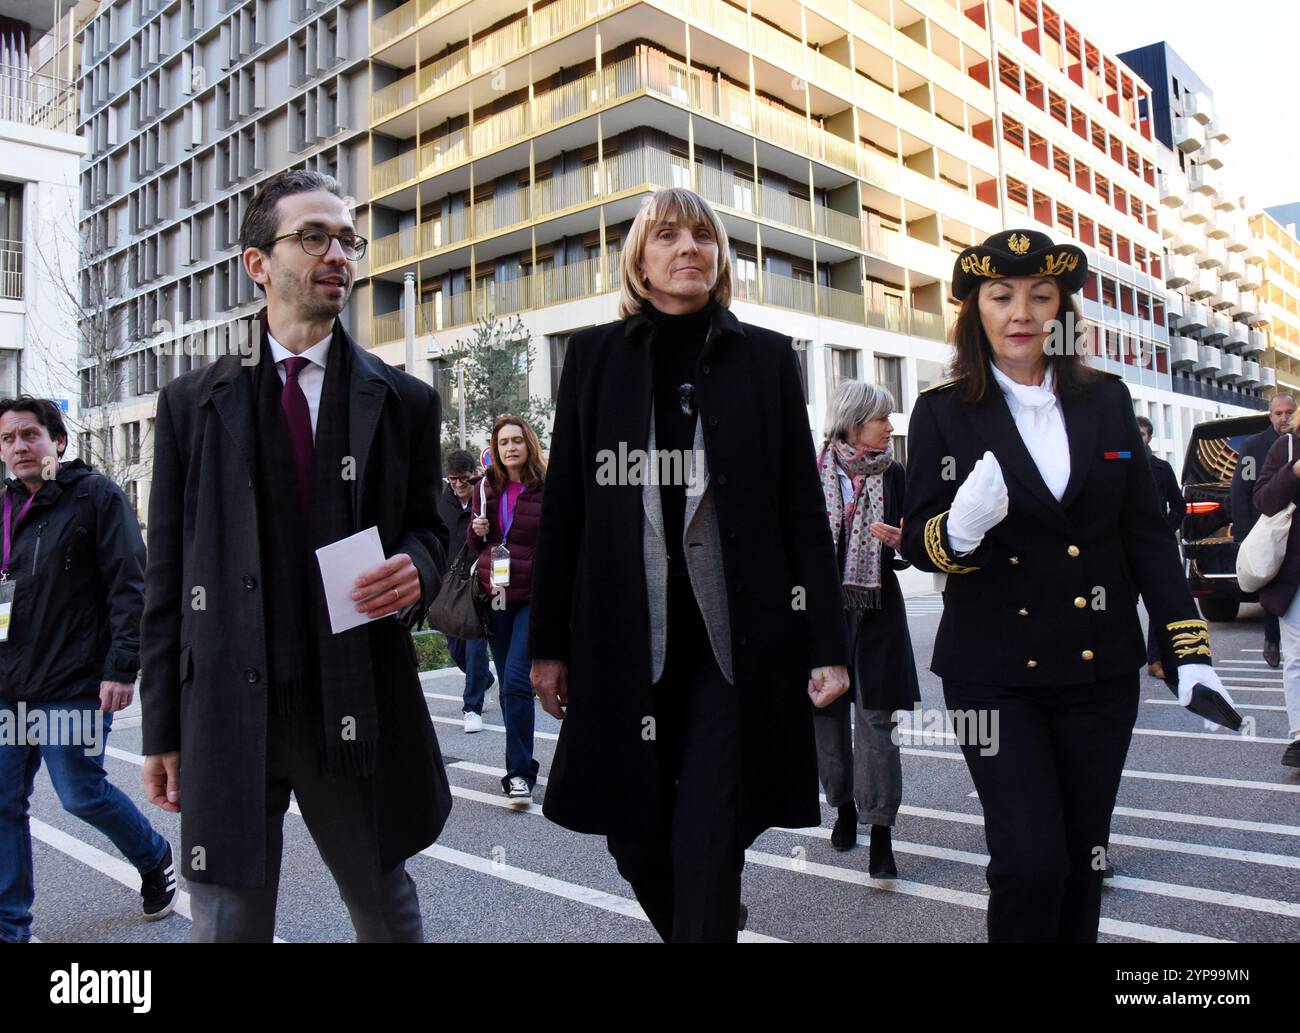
(1039, 418)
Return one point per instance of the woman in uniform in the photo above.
(1028, 486)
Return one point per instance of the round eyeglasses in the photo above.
(317, 243)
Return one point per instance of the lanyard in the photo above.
(508, 512)
(9, 528)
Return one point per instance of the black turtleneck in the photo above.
(676, 347)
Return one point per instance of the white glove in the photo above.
(1190, 674)
(980, 504)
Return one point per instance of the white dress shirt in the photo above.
(1039, 418)
(312, 377)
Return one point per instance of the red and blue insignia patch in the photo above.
(1117, 455)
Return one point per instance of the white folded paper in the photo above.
(341, 563)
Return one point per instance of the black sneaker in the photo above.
(158, 889)
(1291, 758)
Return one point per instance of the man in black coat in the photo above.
(469, 654)
(256, 465)
(1172, 506)
(1281, 411)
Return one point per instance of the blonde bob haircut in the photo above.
(671, 205)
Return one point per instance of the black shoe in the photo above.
(742, 918)
(845, 833)
(1291, 758)
(1110, 870)
(1273, 654)
(158, 890)
(880, 857)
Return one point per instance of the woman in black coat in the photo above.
(1028, 486)
(863, 489)
(685, 604)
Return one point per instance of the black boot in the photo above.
(845, 833)
(880, 859)
(1273, 654)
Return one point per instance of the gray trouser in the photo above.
(383, 905)
(861, 766)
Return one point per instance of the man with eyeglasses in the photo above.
(469, 654)
(248, 694)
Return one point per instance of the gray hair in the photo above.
(853, 404)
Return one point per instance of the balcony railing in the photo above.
(549, 287)
(35, 99)
(11, 270)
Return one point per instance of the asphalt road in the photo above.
(1206, 837)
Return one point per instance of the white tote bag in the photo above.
(1260, 555)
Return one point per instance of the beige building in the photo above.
(497, 156)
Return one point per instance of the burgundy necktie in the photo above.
(298, 416)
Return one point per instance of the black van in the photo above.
(1209, 551)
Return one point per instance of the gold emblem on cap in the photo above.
(980, 266)
(1018, 243)
(1058, 265)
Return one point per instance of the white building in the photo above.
(40, 165)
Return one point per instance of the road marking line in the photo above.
(115, 868)
(962, 898)
(1240, 706)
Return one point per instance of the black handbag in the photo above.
(460, 609)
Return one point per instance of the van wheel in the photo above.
(1221, 611)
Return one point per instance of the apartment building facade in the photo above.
(1213, 268)
(1280, 295)
(497, 156)
(40, 162)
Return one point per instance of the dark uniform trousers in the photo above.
(1048, 790)
(686, 873)
(383, 905)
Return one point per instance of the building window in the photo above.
(844, 365)
(559, 344)
(900, 448)
(801, 351)
(889, 375)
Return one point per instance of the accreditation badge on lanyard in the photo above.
(6, 582)
(500, 554)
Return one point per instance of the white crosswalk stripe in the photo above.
(1190, 891)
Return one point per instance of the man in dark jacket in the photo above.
(1281, 411)
(469, 654)
(257, 465)
(71, 593)
(1172, 506)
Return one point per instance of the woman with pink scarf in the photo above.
(860, 767)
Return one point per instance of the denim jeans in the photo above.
(509, 640)
(471, 656)
(84, 791)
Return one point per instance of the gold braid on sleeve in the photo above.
(935, 550)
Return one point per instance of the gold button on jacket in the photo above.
(1073, 550)
(1080, 602)
(1086, 654)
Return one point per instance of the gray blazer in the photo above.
(702, 546)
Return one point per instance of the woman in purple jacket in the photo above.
(507, 517)
(1275, 488)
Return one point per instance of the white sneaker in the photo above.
(519, 794)
(473, 722)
